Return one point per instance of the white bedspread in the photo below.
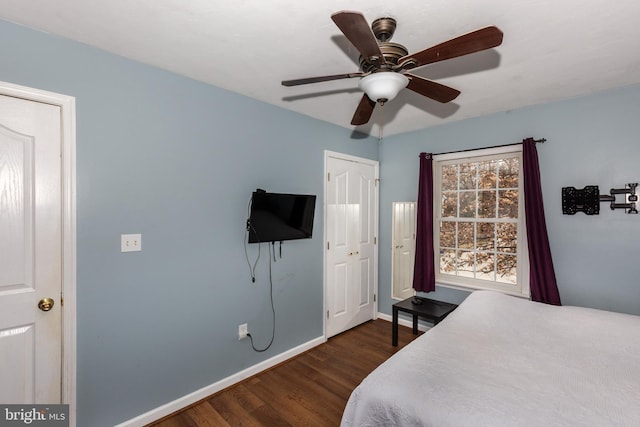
(503, 361)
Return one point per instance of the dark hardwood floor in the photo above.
(311, 389)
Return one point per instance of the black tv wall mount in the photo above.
(588, 199)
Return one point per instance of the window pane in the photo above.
(487, 174)
(468, 204)
(449, 205)
(465, 263)
(450, 177)
(506, 269)
(448, 234)
(448, 261)
(508, 204)
(508, 173)
(486, 204)
(485, 239)
(468, 176)
(465, 235)
(507, 238)
(486, 266)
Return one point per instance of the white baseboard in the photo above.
(404, 322)
(191, 398)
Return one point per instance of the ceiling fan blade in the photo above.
(308, 80)
(364, 111)
(355, 27)
(431, 89)
(475, 41)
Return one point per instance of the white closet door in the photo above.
(351, 246)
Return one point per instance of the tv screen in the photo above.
(275, 217)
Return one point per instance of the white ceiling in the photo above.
(552, 49)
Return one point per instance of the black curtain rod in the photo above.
(541, 141)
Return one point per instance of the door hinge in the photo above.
(374, 297)
(328, 246)
(375, 240)
(327, 314)
(377, 181)
(328, 176)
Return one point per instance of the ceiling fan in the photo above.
(384, 64)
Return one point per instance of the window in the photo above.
(479, 227)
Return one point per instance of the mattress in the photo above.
(499, 360)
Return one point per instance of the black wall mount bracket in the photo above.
(588, 199)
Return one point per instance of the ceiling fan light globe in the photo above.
(383, 86)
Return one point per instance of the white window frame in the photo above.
(521, 288)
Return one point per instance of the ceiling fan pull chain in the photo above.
(381, 128)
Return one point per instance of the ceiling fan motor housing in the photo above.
(391, 53)
(383, 29)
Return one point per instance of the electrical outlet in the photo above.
(243, 330)
(130, 242)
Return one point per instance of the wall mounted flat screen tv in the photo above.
(275, 217)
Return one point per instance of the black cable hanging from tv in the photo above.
(252, 268)
(252, 272)
(273, 312)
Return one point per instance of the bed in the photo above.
(499, 360)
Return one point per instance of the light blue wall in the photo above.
(592, 140)
(175, 160)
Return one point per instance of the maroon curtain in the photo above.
(542, 278)
(424, 277)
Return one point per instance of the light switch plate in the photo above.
(130, 242)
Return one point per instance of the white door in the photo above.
(403, 253)
(351, 255)
(30, 251)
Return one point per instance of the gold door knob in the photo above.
(45, 304)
